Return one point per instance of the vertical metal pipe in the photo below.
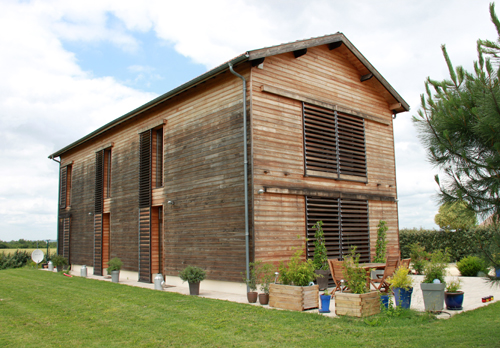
(245, 161)
(58, 203)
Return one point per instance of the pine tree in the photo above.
(459, 124)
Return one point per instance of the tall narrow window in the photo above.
(334, 144)
(159, 157)
(65, 182)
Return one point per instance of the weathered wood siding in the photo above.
(278, 150)
(203, 175)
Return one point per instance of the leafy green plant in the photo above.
(320, 258)
(297, 271)
(381, 244)
(192, 274)
(355, 276)
(418, 257)
(15, 260)
(435, 268)
(59, 260)
(115, 264)
(401, 279)
(453, 285)
(266, 276)
(469, 266)
(251, 280)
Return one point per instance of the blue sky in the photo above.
(69, 67)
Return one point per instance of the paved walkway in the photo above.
(475, 288)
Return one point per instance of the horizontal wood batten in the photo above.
(332, 194)
(151, 126)
(325, 104)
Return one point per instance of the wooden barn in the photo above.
(236, 165)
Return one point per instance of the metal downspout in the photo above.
(58, 203)
(245, 161)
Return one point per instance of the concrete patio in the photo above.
(475, 288)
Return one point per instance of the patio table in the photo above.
(368, 266)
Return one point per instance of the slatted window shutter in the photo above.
(99, 182)
(334, 144)
(145, 170)
(66, 236)
(345, 224)
(145, 185)
(64, 186)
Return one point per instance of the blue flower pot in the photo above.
(497, 271)
(384, 299)
(325, 304)
(454, 300)
(402, 297)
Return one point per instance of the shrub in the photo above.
(401, 279)
(355, 276)
(16, 260)
(320, 258)
(453, 285)
(192, 274)
(115, 264)
(381, 244)
(469, 266)
(297, 271)
(418, 257)
(435, 268)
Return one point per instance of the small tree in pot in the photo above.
(266, 277)
(114, 267)
(251, 282)
(193, 275)
(320, 258)
(380, 247)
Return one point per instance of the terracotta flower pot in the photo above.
(252, 296)
(264, 299)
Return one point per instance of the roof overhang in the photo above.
(333, 41)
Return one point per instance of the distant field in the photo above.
(29, 250)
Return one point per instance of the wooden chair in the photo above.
(405, 263)
(337, 271)
(391, 264)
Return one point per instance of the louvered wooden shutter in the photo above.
(145, 170)
(66, 236)
(351, 140)
(320, 139)
(345, 224)
(145, 207)
(98, 208)
(334, 144)
(64, 186)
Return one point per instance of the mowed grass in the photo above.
(43, 309)
(52, 251)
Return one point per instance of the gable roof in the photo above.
(334, 41)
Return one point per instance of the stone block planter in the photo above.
(295, 298)
(357, 305)
(433, 296)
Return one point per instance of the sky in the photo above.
(69, 67)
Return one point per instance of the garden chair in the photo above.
(405, 263)
(337, 271)
(381, 284)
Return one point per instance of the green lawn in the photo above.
(43, 309)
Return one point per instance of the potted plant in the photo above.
(266, 276)
(193, 275)
(380, 247)
(402, 287)
(419, 257)
(114, 267)
(320, 258)
(433, 284)
(358, 301)
(59, 261)
(325, 301)
(453, 297)
(251, 282)
(294, 292)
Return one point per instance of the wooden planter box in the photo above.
(357, 305)
(295, 298)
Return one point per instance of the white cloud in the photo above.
(48, 101)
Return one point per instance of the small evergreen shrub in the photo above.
(192, 274)
(469, 266)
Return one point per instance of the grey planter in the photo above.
(322, 281)
(433, 296)
(115, 276)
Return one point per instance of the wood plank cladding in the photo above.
(66, 238)
(98, 244)
(334, 144)
(324, 104)
(145, 245)
(345, 224)
(105, 240)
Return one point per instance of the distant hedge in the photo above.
(460, 244)
(14, 260)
